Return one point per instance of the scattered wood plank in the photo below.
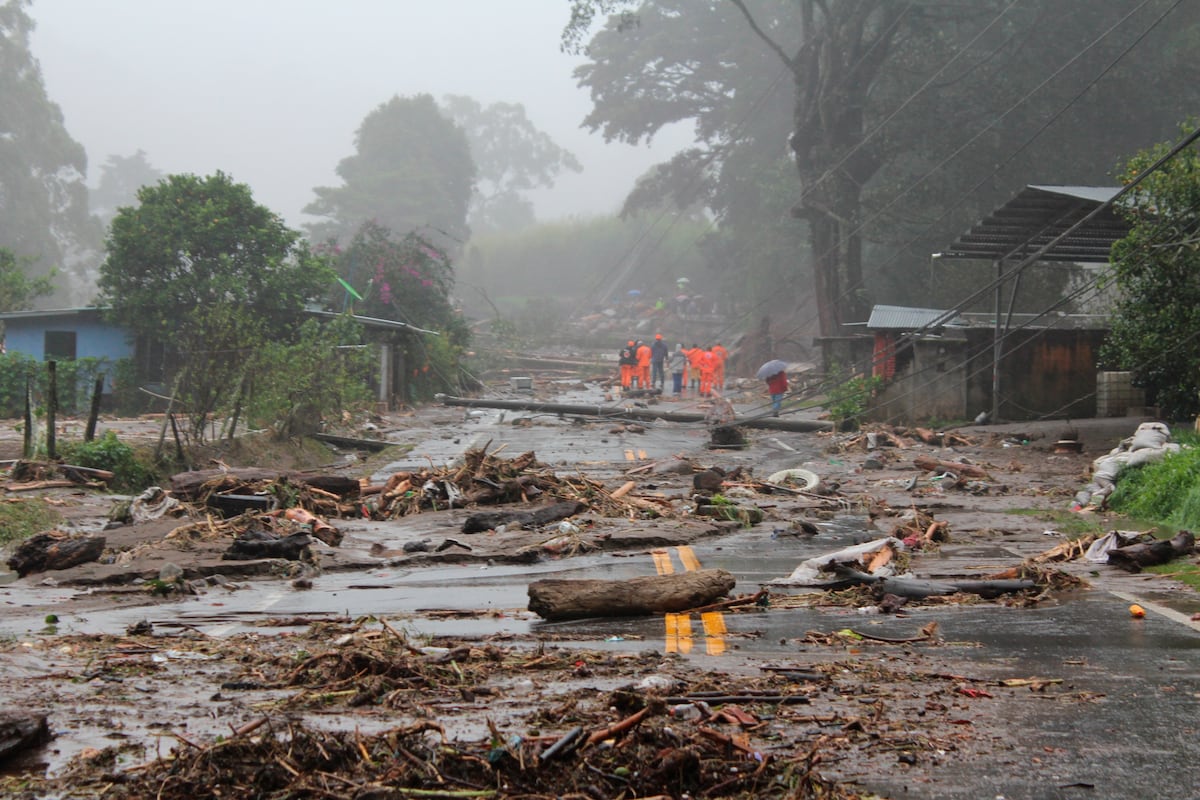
(557, 599)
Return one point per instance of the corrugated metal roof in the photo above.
(50, 312)
(904, 318)
(1038, 215)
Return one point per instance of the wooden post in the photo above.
(94, 415)
(27, 450)
(178, 443)
(51, 409)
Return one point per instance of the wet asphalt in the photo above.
(1134, 733)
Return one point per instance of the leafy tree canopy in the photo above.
(904, 121)
(195, 242)
(17, 289)
(411, 171)
(43, 198)
(120, 179)
(512, 157)
(407, 279)
(1156, 322)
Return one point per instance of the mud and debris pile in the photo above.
(452, 719)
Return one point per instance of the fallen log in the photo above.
(20, 731)
(931, 464)
(919, 588)
(253, 545)
(558, 599)
(1134, 557)
(54, 550)
(34, 470)
(197, 483)
(635, 413)
(535, 518)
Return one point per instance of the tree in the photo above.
(17, 289)
(899, 111)
(408, 280)
(412, 171)
(43, 198)
(201, 268)
(1156, 321)
(120, 179)
(512, 157)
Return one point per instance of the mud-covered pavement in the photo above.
(1062, 695)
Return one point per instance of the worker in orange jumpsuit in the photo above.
(628, 361)
(644, 354)
(719, 354)
(693, 356)
(708, 365)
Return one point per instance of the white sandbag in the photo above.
(809, 571)
(1149, 435)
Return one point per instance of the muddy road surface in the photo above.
(404, 660)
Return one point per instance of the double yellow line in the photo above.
(679, 626)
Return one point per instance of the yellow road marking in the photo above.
(688, 557)
(662, 562)
(714, 632)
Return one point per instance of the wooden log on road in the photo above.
(195, 484)
(1134, 557)
(558, 599)
(931, 464)
(528, 518)
(21, 730)
(55, 550)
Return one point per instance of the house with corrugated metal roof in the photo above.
(948, 364)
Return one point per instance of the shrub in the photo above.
(110, 453)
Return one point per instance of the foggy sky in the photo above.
(271, 91)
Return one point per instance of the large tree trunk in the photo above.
(564, 599)
(21, 730)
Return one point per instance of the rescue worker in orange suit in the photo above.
(628, 362)
(643, 365)
(707, 364)
(693, 357)
(719, 355)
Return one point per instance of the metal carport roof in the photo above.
(1038, 215)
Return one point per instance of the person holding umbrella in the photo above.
(774, 372)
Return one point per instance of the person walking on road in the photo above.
(658, 360)
(678, 368)
(627, 361)
(777, 386)
(720, 354)
(643, 365)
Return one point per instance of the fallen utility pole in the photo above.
(636, 413)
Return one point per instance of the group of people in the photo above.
(645, 366)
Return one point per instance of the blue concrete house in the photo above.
(64, 334)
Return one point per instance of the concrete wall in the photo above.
(94, 338)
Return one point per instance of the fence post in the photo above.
(97, 395)
(27, 450)
(51, 409)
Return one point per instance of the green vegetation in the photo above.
(1157, 315)
(131, 473)
(849, 398)
(24, 517)
(76, 380)
(1166, 492)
